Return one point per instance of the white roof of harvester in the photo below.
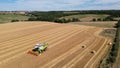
(39, 45)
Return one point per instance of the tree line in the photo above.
(54, 16)
(115, 48)
(109, 18)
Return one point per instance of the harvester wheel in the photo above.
(45, 49)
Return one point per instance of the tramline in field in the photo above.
(77, 46)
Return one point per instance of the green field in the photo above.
(107, 24)
(86, 15)
(69, 12)
(8, 17)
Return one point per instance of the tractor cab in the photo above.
(39, 46)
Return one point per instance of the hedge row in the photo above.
(115, 48)
(109, 18)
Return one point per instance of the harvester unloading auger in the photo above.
(38, 49)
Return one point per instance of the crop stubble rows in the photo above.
(64, 50)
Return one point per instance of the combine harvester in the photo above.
(38, 49)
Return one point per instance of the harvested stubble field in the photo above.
(64, 50)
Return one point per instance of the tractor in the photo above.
(38, 49)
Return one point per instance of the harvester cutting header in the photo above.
(38, 49)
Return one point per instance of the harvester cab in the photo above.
(38, 49)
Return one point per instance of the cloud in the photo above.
(106, 1)
(48, 5)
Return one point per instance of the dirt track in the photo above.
(64, 50)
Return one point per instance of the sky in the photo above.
(58, 5)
